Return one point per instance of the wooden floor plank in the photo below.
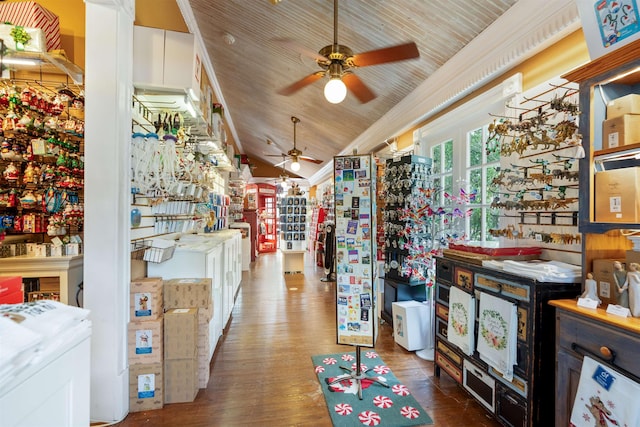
(262, 375)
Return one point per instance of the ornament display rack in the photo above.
(42, 163)
(191, 187)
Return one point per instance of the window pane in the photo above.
(448, 187)
(492, 222)
(475, 225)
(476, 147)
(448, 156)
(437, 158)
(475, 183)
(493, 150)
(491, 189)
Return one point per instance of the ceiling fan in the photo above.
(294, 154)
(338, 61)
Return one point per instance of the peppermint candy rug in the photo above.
(380, 406)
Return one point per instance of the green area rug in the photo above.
(380, 406)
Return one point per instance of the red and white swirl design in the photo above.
(382, 402)
(369, 418)
(409, 412)
(381, 369)
(319, 369)
(371, 355)
(400, 390)
(329, 361)
(363, 367)
(348, 357)
(343, 409)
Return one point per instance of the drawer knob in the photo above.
(606, 352)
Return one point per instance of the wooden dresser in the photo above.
(611, 339)
(529, 399)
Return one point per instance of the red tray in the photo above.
(496, 251)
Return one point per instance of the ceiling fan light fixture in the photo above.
(295, 164)
(335, 91)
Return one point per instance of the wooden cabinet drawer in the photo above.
(449, 368)
(442, 294)
(442, 311)
(503, 287)
(593, 336)
(444, 270)
(511, 408)
(441, 327)
(463, 278)
(445, 348)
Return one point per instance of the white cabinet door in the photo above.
(148, 54)
(178, 60)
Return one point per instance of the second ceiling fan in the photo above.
(338, 61)
(294, 155)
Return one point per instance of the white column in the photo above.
(108, 90)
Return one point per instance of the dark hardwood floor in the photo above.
(261, 372)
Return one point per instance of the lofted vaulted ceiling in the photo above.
(250, 64)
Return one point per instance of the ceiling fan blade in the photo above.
(387, 54)
(359, 89)
(297, 47)
(306, 81)
(281, 163)
(310, 159)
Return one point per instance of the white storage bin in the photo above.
(410, 324)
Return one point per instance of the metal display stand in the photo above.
(357, 375)
(353, 253)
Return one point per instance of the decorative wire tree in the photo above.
(441, 225)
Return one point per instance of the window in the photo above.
(482, 168)
(442, 175)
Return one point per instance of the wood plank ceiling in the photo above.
(250, 65)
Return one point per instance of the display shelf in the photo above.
(42, 63)
(293, 222)
(609, 77)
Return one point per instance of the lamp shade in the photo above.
(295, 164)
(335, 90)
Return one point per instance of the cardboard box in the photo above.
(603, 274)
(31, 14)
(145, 341)
(12, 298)
(146, 299)
(619, 131)
(410, 324)
(49, 284)
(11, 290)
(186, 293)
(628, 104)
(180, 380)
(204, 373)
(632, 256)
(181, 333)
(617, 195)
(204, 342)
(146, 384)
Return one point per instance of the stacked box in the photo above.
(204, 341)
(621, 130)
(617, 195)
(11, 290)
(145, 341)
(186, 293)
(31, 14)
(603, 274)
(146, 384)
(145, 344)
(146, 299)
(180, 355)
(181, 293)
(628, 104)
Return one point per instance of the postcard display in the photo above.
(293, 222)
(355, 209)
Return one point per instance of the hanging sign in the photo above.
(354, 180)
